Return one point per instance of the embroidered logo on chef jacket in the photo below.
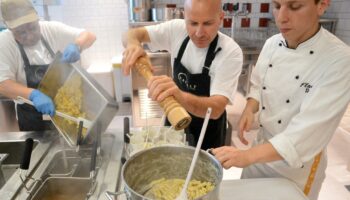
(307, 87)
(184, 79)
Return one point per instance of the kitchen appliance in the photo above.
(98, 106)
(169, 162)
(145, 111)
(176, 114)
(140, 10)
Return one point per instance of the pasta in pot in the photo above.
(169, 189)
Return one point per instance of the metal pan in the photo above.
(97, 104)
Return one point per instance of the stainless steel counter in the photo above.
(256, 189)
(260, 189)
(44, 160)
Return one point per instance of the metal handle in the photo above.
(126, 129)
(110, 195)
(27, 152)
(86, 123)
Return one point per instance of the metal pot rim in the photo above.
(167, 146)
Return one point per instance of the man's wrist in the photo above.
(251, 156)
(79, 47)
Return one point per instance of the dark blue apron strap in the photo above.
(23, 54)
(211, 55)
(46, 44)
(182, 48)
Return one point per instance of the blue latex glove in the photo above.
(71, 53)
(42, 103)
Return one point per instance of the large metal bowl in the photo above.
(98, 105)
(169, 162)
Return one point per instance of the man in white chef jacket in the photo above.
(301, 89)
(26, 50)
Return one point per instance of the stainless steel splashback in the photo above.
(8, 121)
(145, 111)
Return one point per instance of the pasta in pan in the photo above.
(169, 189)
(69, 97)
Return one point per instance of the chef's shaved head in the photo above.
(214, 4)
(203, 19)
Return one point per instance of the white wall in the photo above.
(340, 9)
(108, 19)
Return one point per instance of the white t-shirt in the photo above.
(225, 68)
(303, 94)
(57, 35)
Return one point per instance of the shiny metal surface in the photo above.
(14, 151)
(11, 141)
(140, 10)
(98, 105)
(63, 188)
(260, 189)
(169, 162)
(8, 121)
(148, 108)
(145, 110)
(62, 165)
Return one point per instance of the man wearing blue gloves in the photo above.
(26, 49)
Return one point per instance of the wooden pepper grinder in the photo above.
(176, 114)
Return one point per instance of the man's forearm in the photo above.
(262, 153)
(198, 106)
(12, 89)
(135, 36)
(85, 40)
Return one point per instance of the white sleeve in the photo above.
(227, 73)
(59, 35)
(312, 128)
(8, 57)
(163, 35)
(258, 72)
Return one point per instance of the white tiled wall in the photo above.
(340, 9)
(108, 19)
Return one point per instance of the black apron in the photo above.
(199, 84)
(29, 119)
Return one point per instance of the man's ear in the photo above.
(322, 6)
(222, 15)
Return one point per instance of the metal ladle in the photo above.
(183, 193)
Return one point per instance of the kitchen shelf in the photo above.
(139, 24)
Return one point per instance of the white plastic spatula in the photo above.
(183, 193)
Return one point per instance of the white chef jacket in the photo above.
(58, 36)
(302, 94)
(225, 68)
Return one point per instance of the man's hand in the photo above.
(130, 55)
(42, 103)
(71, 53)
(232, 157)
(245, 124)
(161, 87)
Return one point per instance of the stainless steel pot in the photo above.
(169, 162)
(140, 10)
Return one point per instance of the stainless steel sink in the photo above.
(13, 150)
(69, 163)
(63, 188)
(12, 145)
(65, 172)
